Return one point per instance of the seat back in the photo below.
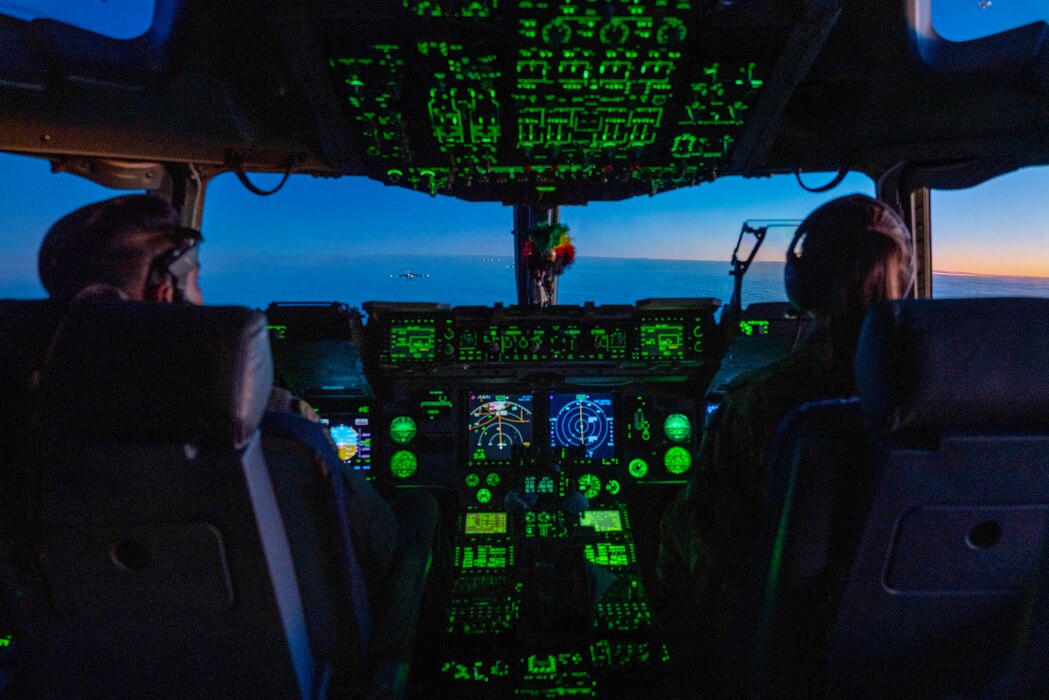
(903, 530)
(958, 395)
(822, 475)
(155, 561)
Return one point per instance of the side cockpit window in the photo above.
(991, 239)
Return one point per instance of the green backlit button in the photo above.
(484, 495)
(638, 468)
(677, 460)
(678, 427)
(590, 485)
(402, 429)
(612, 486)
(403, 464)
(472, 480)
(492, 480)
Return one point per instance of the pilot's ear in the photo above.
(163, 293)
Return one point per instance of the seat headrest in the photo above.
(130, 371)
(953, 363)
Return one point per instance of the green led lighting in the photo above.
(612, 486)
(677, 460)
(754, 327)
(472, 480)
(403, 464)
(637, 468)
(492, 480)
(412, 342)
(590, 485)
(402, 429)
(484, 495)
(677, 427)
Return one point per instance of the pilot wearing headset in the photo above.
(854, 251)
(133, 248)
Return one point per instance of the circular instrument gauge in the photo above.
(483, 495)
(672, 32)
(402, 429)
(346, 441)
(590, 485)
(497, 425)
(582, 422)
(556, 33)
(677, 460)
(614, 33)
(678, 427)
(403, 464)
(472, 480)
(612, 486)
(638, 468)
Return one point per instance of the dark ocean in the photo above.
(468, 280)
(256, 279)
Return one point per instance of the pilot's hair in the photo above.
(108, 243)
(855, 251)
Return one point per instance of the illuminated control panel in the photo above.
(521, 606)
(547, 100)
(655, 333)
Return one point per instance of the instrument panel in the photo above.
(659, 332)
(546, 431)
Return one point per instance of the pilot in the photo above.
(855, 251)
(132, 248)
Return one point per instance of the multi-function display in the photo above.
(585, 421)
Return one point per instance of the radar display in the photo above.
(498, 422)
(585, 421)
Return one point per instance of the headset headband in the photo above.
(177, 263)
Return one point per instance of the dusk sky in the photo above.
(998, 228)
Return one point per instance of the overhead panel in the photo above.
(552, 101)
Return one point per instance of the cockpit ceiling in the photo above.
(552, 99)
(539, 101)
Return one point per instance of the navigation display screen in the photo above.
(411, 341)
(602, 520)
(662, 341)
(351, 433)
(583, 420)
(486, 524)
(496, 423)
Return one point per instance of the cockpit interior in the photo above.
(551, 436)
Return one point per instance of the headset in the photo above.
(806, 287)
(176, 264)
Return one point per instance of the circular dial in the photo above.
(346, 441)
(612, 486)
(677, 460)
(496, 426)
(483, 495)
(472, 480)
(590, 485)
(672, 32)
(638, 468)
(678, 427)
(403, 464)
(402, 429)
(584, 423)
(556, 33)
(614, 33)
